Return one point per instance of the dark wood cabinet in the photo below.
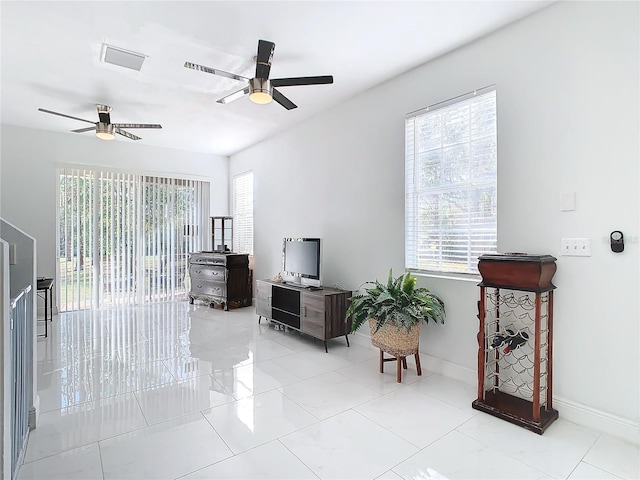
(220, 279)
(318, 313)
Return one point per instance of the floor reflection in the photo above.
(91, 356)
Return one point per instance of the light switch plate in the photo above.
(568, 201)
(576, 247)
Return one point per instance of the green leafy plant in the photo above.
(398, 302)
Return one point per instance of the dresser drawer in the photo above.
(214, 289)
(208, 259)
(207, 273)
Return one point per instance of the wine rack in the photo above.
(515, 339)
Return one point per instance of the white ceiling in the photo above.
(51, 59)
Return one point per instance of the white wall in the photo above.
(29, 181)
(567, 88)
(5, 364)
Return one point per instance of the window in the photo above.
(451, 184)
(243, 213)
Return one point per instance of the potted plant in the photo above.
(395, 311)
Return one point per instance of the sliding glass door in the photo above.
(124, 238)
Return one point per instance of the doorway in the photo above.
(124, 238)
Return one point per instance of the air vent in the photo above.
(121, 57)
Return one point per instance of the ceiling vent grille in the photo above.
(121, 57)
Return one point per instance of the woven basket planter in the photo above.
(394, 341)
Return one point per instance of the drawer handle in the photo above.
(215, 289)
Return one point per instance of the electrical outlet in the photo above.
(576, 247)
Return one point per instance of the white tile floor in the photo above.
(180, 391)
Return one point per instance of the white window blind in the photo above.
(451, 184)
(124, 238)
(243, 213)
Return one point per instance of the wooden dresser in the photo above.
(220, 279)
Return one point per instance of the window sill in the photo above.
(465, 277)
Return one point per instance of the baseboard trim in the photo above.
(448, 369)
(569, 410)
(34, 413)
(597, 419)
(32, 418)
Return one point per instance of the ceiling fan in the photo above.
(105, 130)
(260, 88)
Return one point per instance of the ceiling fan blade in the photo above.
(263, 60)
(63, 115)
(127, 134)
(136, 125)
(282, 100)
(289, 82)
(80, 130)
(214, 71)
(233, 96)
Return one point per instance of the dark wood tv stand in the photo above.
(318, 313)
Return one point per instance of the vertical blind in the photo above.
(124, 238)
(451, 184)
(243, 213)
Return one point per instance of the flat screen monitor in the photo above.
(301, 259)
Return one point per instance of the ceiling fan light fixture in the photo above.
(105, 131)
(260, 89)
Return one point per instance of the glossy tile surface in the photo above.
(185, 391)
(271, 461)
(181, 398)
(448, 390)
(615, 456)
(348, 445)
(584, 471)
(556, 453)
(77, 464)
(250, 378)
(458, 456)
(328, 394)
(166, 450)
(367, 373)
(258, 419)
(68, 428)
(401, 411)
